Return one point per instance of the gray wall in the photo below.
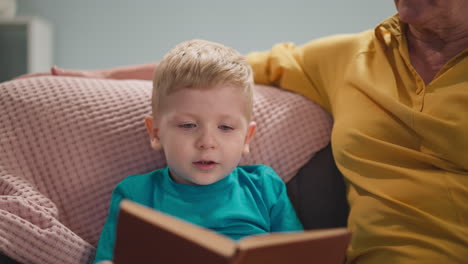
(106, 33)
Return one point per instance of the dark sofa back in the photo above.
(318, 193)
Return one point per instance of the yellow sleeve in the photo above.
(313, 69)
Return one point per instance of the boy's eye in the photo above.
(187, 125)
(224, 127)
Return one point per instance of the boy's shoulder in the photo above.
(255, 168)
(261, 179)
(142, 179)
(258, 172)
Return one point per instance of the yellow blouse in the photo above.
(401, 145)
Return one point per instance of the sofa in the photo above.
(65, 142)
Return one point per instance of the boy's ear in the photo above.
(248, 137)
(153, 132)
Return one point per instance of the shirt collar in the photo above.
(391, 35)
(394, 25)
(392, 32)
(198, 190)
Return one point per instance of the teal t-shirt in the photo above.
(251, 200)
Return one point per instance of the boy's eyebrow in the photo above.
(222, 116)
(226, 116)
(183, 114)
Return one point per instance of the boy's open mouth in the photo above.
(205, 164)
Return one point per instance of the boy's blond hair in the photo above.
(202, 64)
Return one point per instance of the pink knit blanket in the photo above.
(66, 142)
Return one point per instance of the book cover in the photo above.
(145, 235)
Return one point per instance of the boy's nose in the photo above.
(206, 141)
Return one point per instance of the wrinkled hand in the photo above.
(56, 71)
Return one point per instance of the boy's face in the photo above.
(203, 133)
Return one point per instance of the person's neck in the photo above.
(432, 46)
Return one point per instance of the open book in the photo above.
(148, 236)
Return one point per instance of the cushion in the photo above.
(66, 142)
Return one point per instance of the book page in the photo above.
(265, 240)
(312, 246)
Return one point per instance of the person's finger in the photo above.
(76, 73)
(65, 72)
(54, 70)
(29, 75)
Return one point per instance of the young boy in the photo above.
(202, 108)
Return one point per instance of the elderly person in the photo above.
(399, 98)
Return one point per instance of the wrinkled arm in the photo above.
(136, 72)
